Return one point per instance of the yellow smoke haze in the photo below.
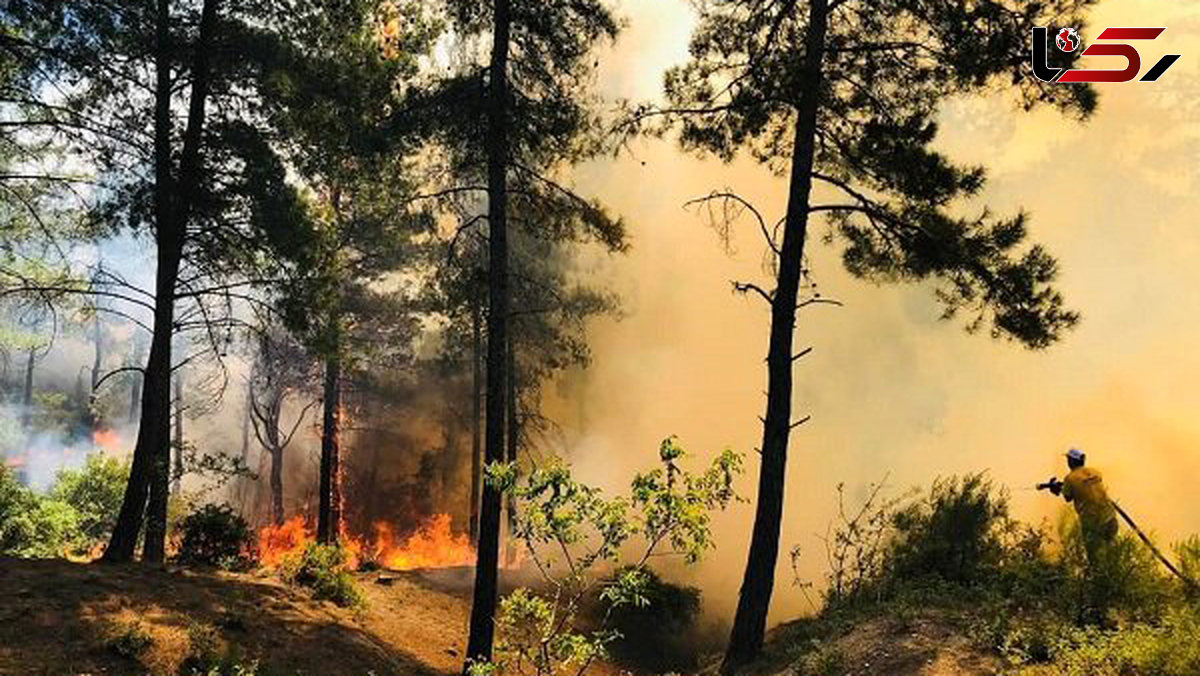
(890, 387)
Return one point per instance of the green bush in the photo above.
(1168, 648)
(824, 660)
(95, 492)
(954, 533)
(322, 568)
(33, 526)
(1125, 582)
(660, 635)
(17, 506)
(215, 535)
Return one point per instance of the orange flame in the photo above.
(109, 440)
(276, 542)
(433, 545)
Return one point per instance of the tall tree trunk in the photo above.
(154, 389)
(483, 606)
(177, 443)
(243, 482)
(246, 428)
(510, 456)
(277, 485)
(754, 599)
(150, 471)
(476, 415)
(135, 385)
(27, 393)
(97, 359)
(154, 433)
(329, 512)
(188, 184)
(98, 351)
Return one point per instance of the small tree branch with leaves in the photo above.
(586, 545)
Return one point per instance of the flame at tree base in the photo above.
(276, 543)
(432, 545)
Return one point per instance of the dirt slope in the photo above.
(56, 617)
(930, 643)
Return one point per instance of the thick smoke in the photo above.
(891, 389)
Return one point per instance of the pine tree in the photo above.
(844, 94)
(511, 122)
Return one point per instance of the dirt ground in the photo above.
(58, 619)
(928, 644)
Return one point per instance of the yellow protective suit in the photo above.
(1084, 488)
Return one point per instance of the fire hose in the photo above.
(1191, 584)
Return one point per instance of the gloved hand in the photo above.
(1053, 485)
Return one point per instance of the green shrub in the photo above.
(825, 659)
(322, 568)
(660, 635)
(17, 506)
(954, 533)
(1125, 582)
(33, 526)
(215, 535)
(56, 529)
(1031, 641)
(576, 536)
(1188, 554)
(95, 492)
(1169, 648)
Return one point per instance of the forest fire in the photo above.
(432, 545)
(109, 440)
(275, 543)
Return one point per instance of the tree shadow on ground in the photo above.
(58, 618)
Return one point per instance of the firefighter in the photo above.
(1083, 487)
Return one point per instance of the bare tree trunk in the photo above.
(177, 471)
(97, 360)
(476, 415)
(154, 435)
(27, 393)
(514, 440)
(329, 512)
(245, 429)
(98, 351)
(277, 485)
(135, 386)
(754, 599)
(483, 606)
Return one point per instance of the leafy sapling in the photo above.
(586, 546)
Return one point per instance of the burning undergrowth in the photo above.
(431, 544)
(406, 459)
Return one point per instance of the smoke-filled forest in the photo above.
(566, 337)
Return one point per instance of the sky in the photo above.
(892, 390)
